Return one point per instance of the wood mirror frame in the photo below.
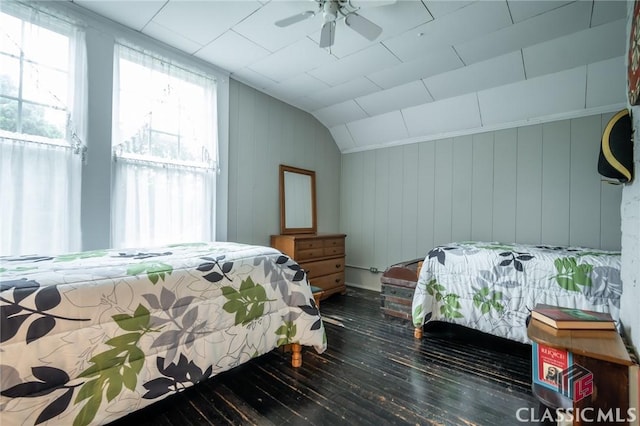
(297, 201)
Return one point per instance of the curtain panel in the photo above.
(43, 106)
(164, 150)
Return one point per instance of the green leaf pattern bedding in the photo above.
(492, 287)
(88, 337)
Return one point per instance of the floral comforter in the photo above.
(492, 287)
(88, 337)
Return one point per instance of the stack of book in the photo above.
(572, 319)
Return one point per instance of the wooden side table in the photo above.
(603, 354)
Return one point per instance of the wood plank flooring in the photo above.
(373, 373)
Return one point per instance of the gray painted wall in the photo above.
(264, 133)
(534, 184)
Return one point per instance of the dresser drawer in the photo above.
(308, 244)
(333, 251)
(323, 267)
(314, 253)
(333, 242)
(327, 282)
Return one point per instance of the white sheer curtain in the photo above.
(43, 100)
(164, 145)
(158, 204)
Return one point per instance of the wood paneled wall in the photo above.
(536, 184)
(263, 133)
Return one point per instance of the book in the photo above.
(588, 333)
(548, 364)
(572, 318)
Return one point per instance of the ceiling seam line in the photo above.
(524, 68)
(458, 55)
(353, 140)
(510, 14)
(154, 15)
(389, 50)
(404, 122)
(360, 106)
(428, 91)
(479, 110)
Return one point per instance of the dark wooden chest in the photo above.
(398, 283)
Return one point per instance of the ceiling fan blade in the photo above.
(295, 18)
(328, 34)
(362, 26)
(361, 4)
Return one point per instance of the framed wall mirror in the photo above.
(297, 201)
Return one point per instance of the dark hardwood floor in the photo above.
(373, 373)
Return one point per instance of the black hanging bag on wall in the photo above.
(616, 149)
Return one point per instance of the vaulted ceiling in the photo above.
(439, 68)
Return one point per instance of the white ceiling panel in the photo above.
(521, 10)
(170, 37)
(232, 51)
(133, 14)
(340, 113)
(494, 72)
(292, 60)
(606, 83)
(543, 96)
(443, 116)
(607, 11)
(352, 89)
(580, 48)
(342, 137)
(306, 104)
(299, 86)
(371, 59)
(379, 129)
(556, 23)
(443, 7)
(203, 21)
(437, 61)
(253, 79)
(398, 97)
(260, 27)
(462, 25)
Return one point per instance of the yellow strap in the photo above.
(606, 148)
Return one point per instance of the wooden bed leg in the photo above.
(296, 355)
(417, 332)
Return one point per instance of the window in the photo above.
(42, 108)
(164, 148)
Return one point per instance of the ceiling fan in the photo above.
(332, 11)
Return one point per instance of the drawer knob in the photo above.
(337, 280)
(338, 266)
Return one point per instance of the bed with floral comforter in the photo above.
(492, 287)
(88, 337)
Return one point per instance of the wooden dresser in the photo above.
(321, 255)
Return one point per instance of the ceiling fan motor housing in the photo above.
(330, 10)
